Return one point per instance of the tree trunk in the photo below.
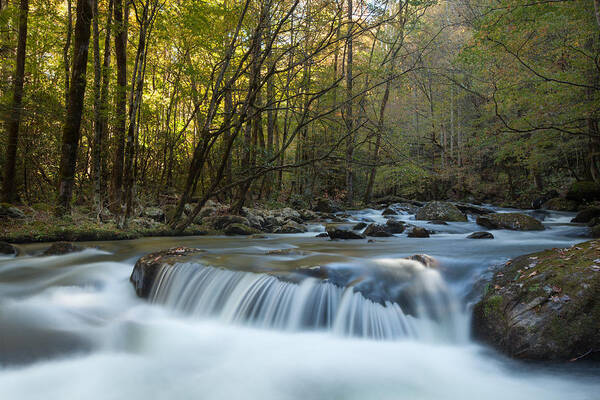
(349, 112)
(66, 51)
(71, 131)
(9, 194)
(121, 101)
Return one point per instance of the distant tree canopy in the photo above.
(289, 100)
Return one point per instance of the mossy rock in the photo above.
(544, 306)
(586, 215)
(440, 211)
(512, 221)
(239, 229)
(560, 204)
(583, 191)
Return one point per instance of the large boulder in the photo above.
(147, 267)
(583, 191)
(60, 248)
(239, 229)
(154, 213)
(8, 211)
(342, 232)
(220, 222)
(376, 230)
(544, 306)
(290, 227)
(441, 211)
(560, 204)
(395, 226)
(326, 205)
(512, 221)
(418, 232)
(587, 215)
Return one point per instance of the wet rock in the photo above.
(473, 209)
(512, 221)
(147, 267)
(326, 205)
(544, 306)
(424, 259)
(220, 222)
(560, 204)
(308, 215)
(239, 229)
(154, 213)
(395, 226)
(60, 248)
(360, 226)
(583, 191)
(376, 230)
(342, 232)
(9, 211)
(480, 235)
(389, 211)
(322, 235)
(587, 215)
(291, 227)
(439, 210)
(418, 232)
(8, 249)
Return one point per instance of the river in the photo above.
(241, 322)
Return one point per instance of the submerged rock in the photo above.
(480, 235)
(342, 232)
(145, 269)
(512, 221)
(441, 211)
(544, 306)
(376, 230)
(60, 248)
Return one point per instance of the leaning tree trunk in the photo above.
(71, 131)
(14, 119)
(349, 112)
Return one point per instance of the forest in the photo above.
(119, 104)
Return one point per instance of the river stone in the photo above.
(342, 232)
(60, 248)
(322, 235)
(544, 306)
(389, 211)
(360, 226)
(512, 221)
(560, 204)
(325, 205)
(8, 211)
(439, 210)
(154, 213)
(145, 269)
(376, 230)
(473, 209)
(239, 229)
(418, 232)
(480, 235)
(220, 222)
(8, 249)
(424, 259)
(291, 227)
(395, 226)
(587, 215)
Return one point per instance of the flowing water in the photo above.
(279, 317)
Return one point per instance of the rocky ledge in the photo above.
(544, 306)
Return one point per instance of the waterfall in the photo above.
(266, 301)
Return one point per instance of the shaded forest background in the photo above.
(126, 103)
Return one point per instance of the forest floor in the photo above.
(41, 226)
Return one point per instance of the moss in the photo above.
(492, 305)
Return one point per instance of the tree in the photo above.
(9, 194)
(71, 130)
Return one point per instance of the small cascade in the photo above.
(266, 301)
